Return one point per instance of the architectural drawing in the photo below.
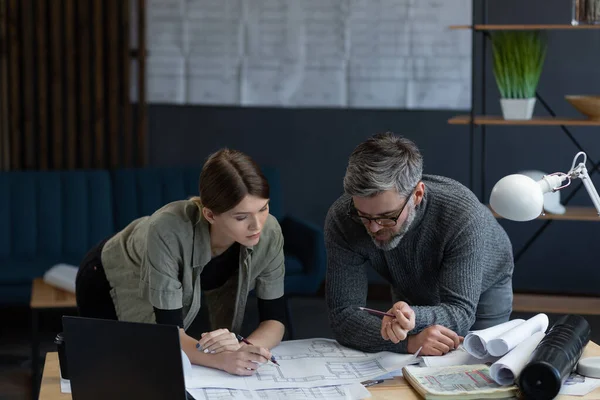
(305, 364)
(340, 392)
(310, 53)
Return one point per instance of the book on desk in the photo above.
(457, 382)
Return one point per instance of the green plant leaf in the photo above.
(518, 60)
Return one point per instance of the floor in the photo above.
(309, 319)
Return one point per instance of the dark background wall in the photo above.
(311, 146)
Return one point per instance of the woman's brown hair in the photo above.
(226, 178)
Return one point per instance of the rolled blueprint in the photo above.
(476, 342)
(506, 370)
(507, 341)
(455, 357)
(554, 358)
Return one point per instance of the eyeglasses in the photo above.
(386, 222)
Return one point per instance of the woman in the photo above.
(219, 246)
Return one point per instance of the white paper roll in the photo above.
(507, 369)
(476, 342)
(507, 341)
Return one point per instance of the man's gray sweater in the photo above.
(453, 252)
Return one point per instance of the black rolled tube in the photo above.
(554, 358)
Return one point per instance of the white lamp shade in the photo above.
(517, 197)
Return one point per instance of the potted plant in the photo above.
(518, 61)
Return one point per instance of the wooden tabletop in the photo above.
(394, 389)
(47, 296)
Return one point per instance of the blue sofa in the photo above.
(51, 217)
(48, 218)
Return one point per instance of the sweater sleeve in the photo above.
(460, 284)
(346, 290)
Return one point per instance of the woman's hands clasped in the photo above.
(232, 356)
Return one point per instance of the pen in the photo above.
(375, 312)
(371, 383)
(243, 339)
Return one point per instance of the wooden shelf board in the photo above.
(524, 27)
(556, 304)
(572, 213)
(498, 120)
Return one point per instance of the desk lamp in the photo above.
(519, 198)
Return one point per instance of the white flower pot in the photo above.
(517, 108)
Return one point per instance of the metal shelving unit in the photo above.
(481, 121)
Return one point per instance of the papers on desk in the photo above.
(506, 370)
(307, 367)
(500, 339)
(577, 385)
(341, 392)
(62, 276)
(456, 357)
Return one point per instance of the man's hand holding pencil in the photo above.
(397, 321)
(396, 328)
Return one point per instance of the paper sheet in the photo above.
(166, 77)
(456, 357)
(389, 375)
(62, 276)
(310, 53)
(476, 342)
(354, 391)
(578, 385)
(508, 340)
(507, 369)
(65, 385)
(305, 364)
(346, 392)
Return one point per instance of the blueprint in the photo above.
(341, 392)
(309, 53)
(305, 363)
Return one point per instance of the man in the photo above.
(448, 261)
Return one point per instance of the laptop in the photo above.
(117, 360)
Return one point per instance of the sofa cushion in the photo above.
(141, 191)
(293, 265)
(47, 215)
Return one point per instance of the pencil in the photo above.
(243, 339)
(375, 312)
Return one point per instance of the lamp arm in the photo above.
(581, 172)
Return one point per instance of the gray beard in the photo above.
(394, 241)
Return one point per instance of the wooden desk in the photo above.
(44, 297)
(47, 296)
(389, 390)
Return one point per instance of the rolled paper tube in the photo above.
(554, 358)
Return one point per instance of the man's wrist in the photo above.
(409, 342)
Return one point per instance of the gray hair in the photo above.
(383, 162)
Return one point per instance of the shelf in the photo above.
(498, 120)
(556, 304)
(573, 213)
(524, 27)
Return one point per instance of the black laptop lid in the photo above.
(123, 360)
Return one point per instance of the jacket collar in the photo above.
(201, 245)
